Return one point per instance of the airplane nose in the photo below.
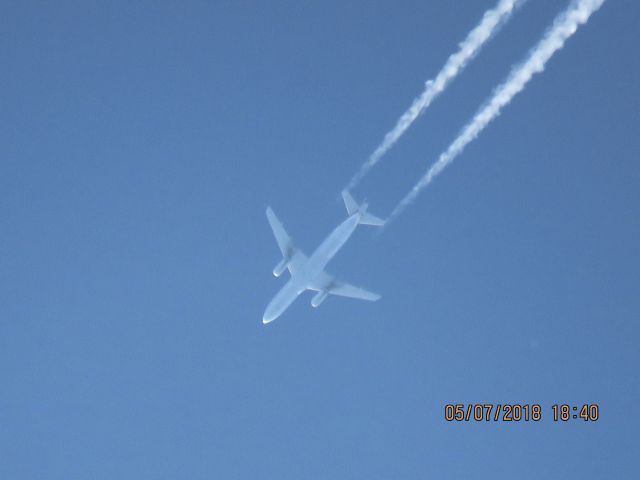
(268, 315)
(277, 306)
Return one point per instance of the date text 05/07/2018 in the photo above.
(515, 412)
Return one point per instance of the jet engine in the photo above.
(280, 267)
(319, 298)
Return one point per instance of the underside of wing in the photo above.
(346, 290)
(292, 257)
(282, 237)
(325, 284)
(297, 261)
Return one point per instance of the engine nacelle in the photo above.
(319, 298)
(280, 267)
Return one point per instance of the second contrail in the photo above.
(490, 23)
(564, 26)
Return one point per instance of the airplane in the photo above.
(307, 273)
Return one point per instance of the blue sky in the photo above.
(142, 142)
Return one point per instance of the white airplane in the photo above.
(307, 273)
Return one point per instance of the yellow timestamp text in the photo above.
(518, 412)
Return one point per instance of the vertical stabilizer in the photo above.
(350, 203)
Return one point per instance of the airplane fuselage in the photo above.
(312, 269)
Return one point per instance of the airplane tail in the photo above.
(353, 207)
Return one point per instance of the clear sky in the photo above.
(141, 143)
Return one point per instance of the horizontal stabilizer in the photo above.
(353, 208)
(369, 219)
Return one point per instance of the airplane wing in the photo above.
(283, 239)
(296, 262)
(326, 284)
(345, 290)
(293, 258)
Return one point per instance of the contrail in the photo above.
(490, 23)
(553, 40)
